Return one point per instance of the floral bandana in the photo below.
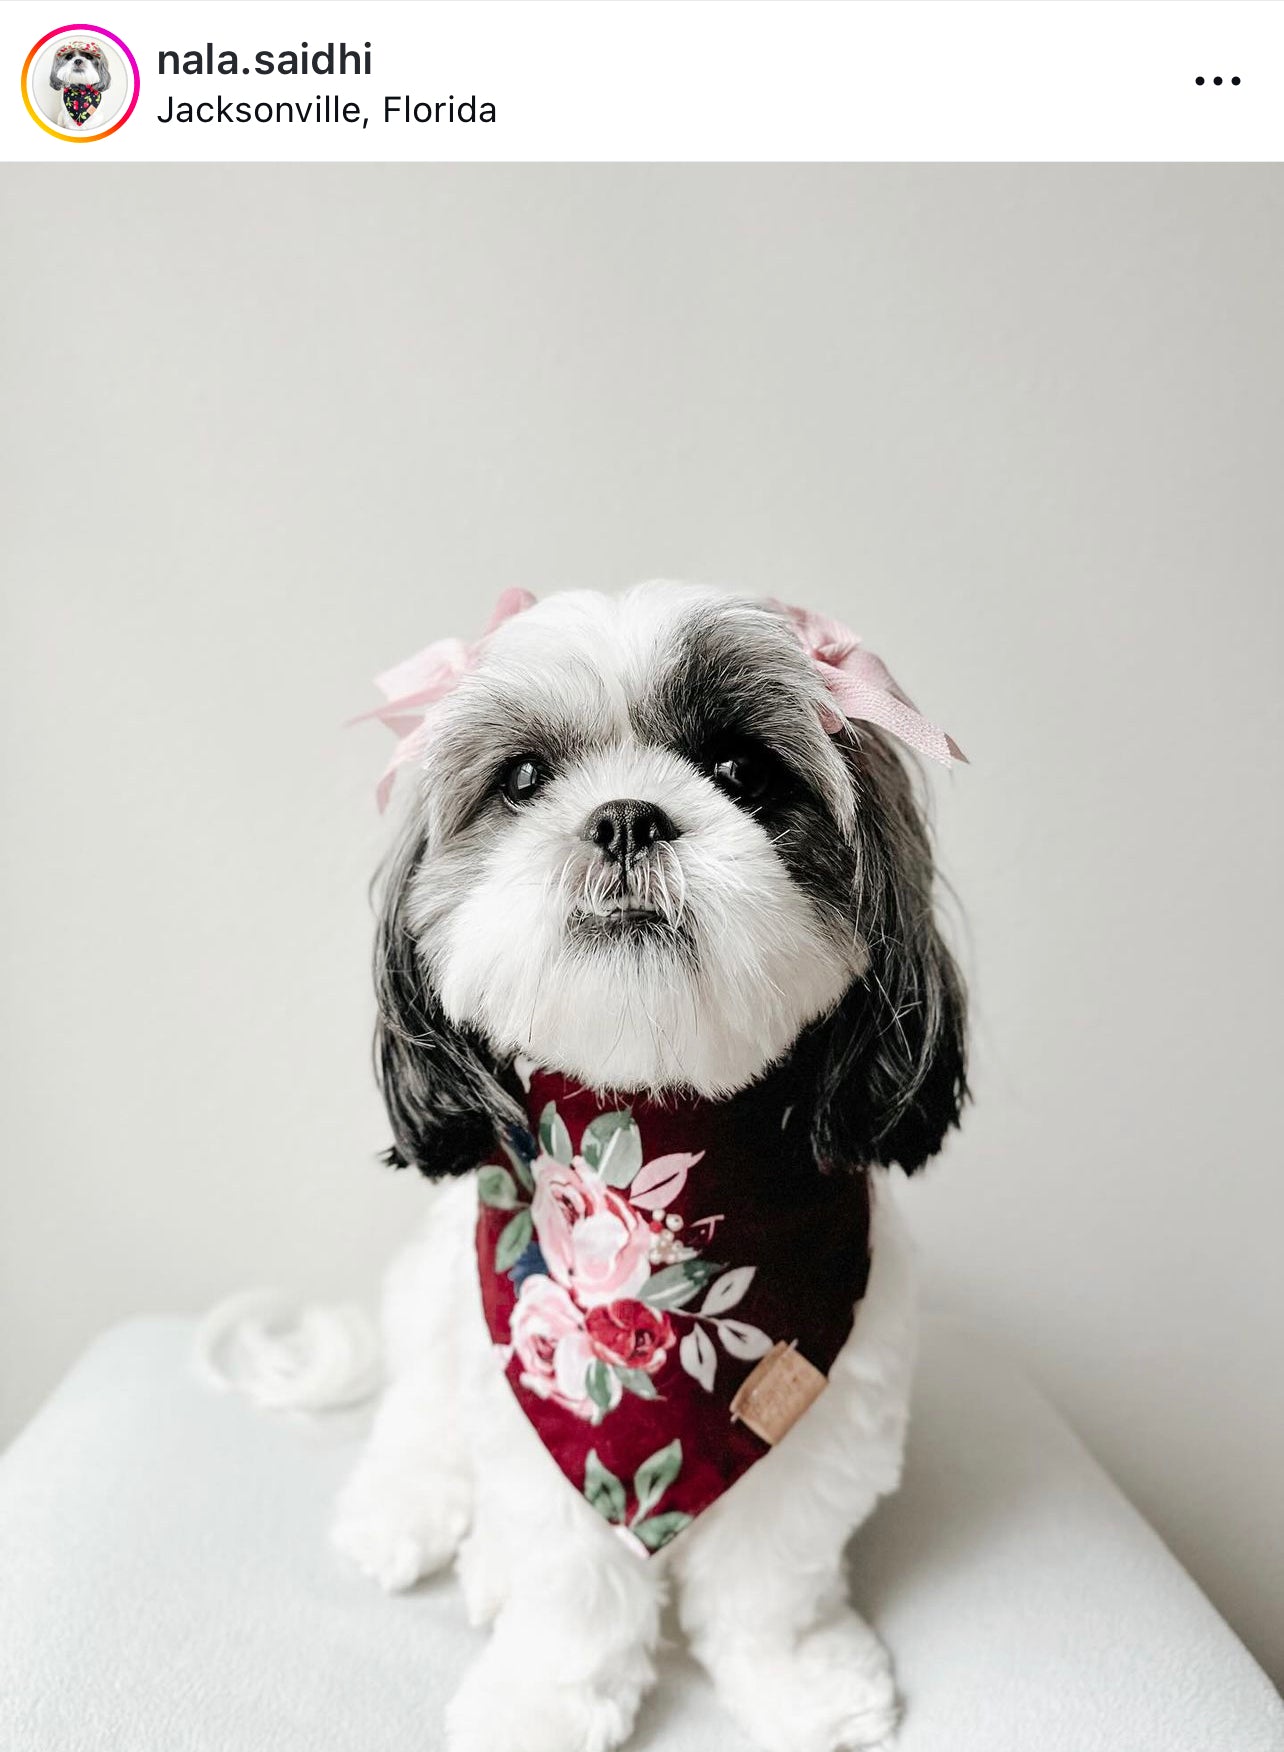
(80, 102)
(667, 1286)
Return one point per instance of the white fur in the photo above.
(768, 968)
(453, 1469)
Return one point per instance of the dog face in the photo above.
(80, 63)
(637, 857)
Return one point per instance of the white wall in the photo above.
(273, 428)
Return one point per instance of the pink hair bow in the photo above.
(861, 686)
(412, 687)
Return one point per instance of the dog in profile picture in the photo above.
(80, 77)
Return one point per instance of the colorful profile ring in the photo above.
(68, 30)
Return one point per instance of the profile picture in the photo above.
(80, 83)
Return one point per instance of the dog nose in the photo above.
(623, 829)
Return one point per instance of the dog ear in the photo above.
(439, 1085)
(104, 72)
(893, 1076)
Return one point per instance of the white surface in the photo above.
(165, 1582)
(1020, 427)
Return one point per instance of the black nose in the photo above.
(623, 829)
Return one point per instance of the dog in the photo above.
(80, 76)
(663, 853)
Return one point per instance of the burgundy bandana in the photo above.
(668, 1286)
(80, 102)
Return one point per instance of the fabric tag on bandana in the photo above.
(80, 102)
(777, 1393)
(667, 1286)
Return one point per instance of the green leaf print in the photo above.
(603, 1489)
(654, 1476)
(637, 1381)
(612, 1145)
(677, 1285)
(495, 1188)
(512, 1240)
(659, 1529)
(597, 1384)
(555, 1140)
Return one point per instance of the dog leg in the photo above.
(406, 1507)
(761, 1582)
(800, 1673)
(570, 1657)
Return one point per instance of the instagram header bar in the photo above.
(643, 80)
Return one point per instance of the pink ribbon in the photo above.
(859, 683)
(412, 687)
(861, 686)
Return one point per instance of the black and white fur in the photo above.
(80, 63)
(779, 890)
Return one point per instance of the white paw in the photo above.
(833, 1692)
(396, 1535)
(844, 1671)
(497, 1709)
(483, 1578)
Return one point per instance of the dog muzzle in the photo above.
(80, 102)
(667, 1286)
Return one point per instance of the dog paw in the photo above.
(844, 1672)
(395, 1534)
(833, 1692)
(499, 1710)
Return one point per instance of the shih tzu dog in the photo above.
(80, 76)
(660, 992)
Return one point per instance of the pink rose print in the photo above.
(631, 1334)
(606, 1272)
(554, 1349)
(594, 1243)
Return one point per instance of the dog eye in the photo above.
(743, 773)
(522, 778)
